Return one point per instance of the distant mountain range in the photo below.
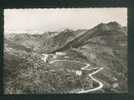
(104, 34)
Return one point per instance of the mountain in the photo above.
(105, 34)
(105, 45)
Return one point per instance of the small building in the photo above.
(45, 57)
(54, 56)
(115, 85)
(78, 72)
(66, 57)
(60, 53)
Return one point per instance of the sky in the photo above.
(44, 20)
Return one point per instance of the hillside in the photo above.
(102, 46)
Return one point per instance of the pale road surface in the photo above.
(99, 82)
(90, 75)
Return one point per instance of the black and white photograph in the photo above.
(65, 51)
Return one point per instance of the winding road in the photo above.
(99, 82)
(100, 86)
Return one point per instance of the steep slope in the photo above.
(106, 48)
(102, 46)
(108, 34)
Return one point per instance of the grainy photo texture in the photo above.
(65, 50)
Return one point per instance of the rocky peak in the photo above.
(108, 26)
(114, 25)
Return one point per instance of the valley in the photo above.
(54, 62)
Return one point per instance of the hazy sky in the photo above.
(43, 20)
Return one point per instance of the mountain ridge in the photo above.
(65, 39)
